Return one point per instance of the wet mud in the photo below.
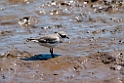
(102, 67)
(94, 52)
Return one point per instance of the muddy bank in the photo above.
(100, 67)
(94, 52)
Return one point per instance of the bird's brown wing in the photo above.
(47, 40)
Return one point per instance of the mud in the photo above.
(94, 52)
(103, 67)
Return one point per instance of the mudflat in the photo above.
(94, 52)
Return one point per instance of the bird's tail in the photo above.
(32, 39)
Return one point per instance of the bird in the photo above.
(50, 40)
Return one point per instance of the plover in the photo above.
(50, 40)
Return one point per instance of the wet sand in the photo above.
(101, 67)
(94, 52)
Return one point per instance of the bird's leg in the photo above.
(51, 51)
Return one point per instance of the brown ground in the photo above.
(100, 67)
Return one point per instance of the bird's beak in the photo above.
(67, 37)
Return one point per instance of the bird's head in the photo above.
(62, 34)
